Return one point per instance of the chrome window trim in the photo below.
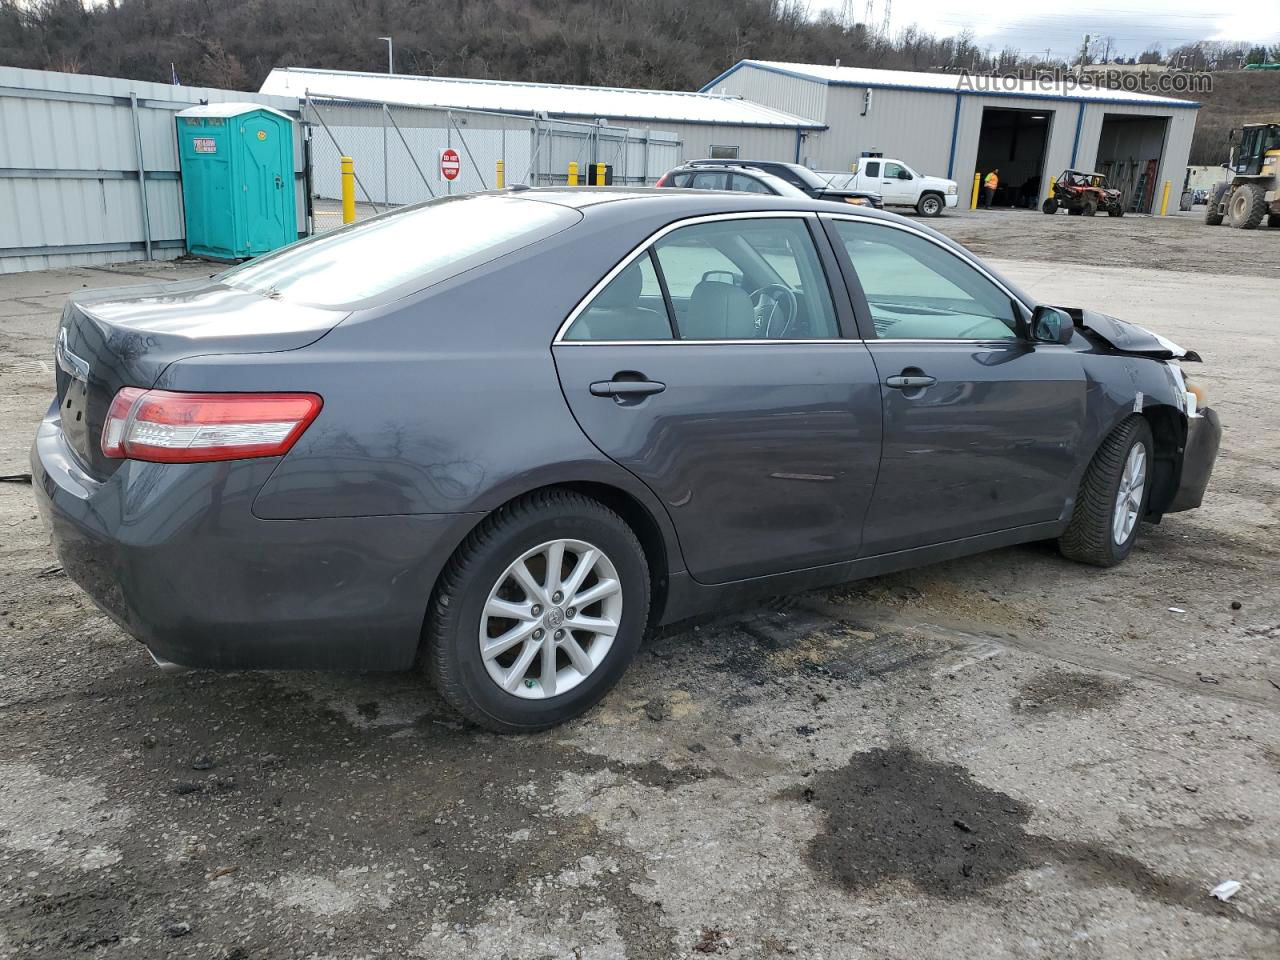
(702, 343)
(654, 238)
(909, 228)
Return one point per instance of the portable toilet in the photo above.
(237, 179)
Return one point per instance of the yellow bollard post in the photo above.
(348, 190)
(500, 178)
(573, 173)
(1053, 185)
(1164, 200)
(973, 202)
(599, 174)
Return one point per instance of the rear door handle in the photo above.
(910, 383)
(625, 389)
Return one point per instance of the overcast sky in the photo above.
(1135, 25)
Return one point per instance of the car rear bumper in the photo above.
(173, 553)
(1204, 434)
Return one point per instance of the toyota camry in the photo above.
(497, 437)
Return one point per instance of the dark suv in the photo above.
(799, 176)
(750, 178)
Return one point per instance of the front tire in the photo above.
(521, 636)
(1213, 205)
(1113, 497)
(930, 205)
(1090, 208)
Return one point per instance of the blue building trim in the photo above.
(955, 134)
(1075, 145)
(1055, 97)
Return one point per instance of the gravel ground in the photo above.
(1007, 756)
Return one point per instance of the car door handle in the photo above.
(910, 383)
(626, 389)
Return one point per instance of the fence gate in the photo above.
(397, 151)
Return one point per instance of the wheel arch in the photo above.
(653, 530)
(1169, 436)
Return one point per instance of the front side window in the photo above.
(916, 290)
(390, 256)
(745, 279)
(896, 171)
(629, 308)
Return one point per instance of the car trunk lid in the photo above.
(127, 336)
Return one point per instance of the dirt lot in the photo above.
(1008, 756)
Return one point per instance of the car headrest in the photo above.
(623, 290)
(719, 311)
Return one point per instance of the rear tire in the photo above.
(479, 578)
(1095, 534)
(1273, 219)
(1050, 206)
(1247, 206)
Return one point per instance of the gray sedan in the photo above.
(498, 436)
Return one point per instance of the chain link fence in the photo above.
(397, 151)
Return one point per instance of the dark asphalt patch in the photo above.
(1061, 690)
(893, 815)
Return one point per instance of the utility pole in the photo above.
(390, 62)
(1084, 54)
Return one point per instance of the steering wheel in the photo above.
(776, 308)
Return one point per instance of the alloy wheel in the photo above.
(550, 619)
(1133, 481)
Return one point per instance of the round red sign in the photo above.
(450, 164)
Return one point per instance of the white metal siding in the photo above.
(910, 125)
(804, 98)
(46, 139)
(753, 143)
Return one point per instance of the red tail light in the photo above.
(662, 180)
(161, 426)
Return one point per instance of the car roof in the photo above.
(680, 203)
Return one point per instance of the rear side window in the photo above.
(391, 256)
(710, 181)
(746, 184)
(629, 308)
(873, 168)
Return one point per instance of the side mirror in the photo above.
(1051, 325)
(903, 175)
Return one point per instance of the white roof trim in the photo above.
(947, 83)
(553, 99)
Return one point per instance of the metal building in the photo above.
(950, 125)
(705, 124)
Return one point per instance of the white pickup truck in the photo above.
(898, 184)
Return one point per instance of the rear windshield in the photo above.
(401, 252)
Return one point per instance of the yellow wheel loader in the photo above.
(1252, 195)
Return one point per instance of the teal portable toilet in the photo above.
(237, 179)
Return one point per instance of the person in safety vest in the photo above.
(989, 188)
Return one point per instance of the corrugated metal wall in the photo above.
(753, 143)
(912, 126)
(69, 186)
(804, 98)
